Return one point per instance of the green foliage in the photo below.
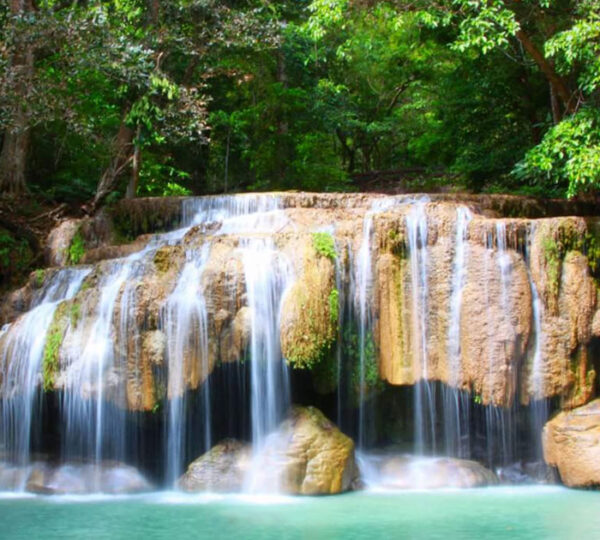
(578, 49)
(325, 374)
(371, 381)
(324, 245)
(39, 276)
(76, 249)
(314, 95)
(570, 151)
(16, 256)
(161, 179)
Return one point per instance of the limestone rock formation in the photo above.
(507, 262)
(572, 444)
(59, 240)
(310, 310)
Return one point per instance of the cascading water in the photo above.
(185, 324)
(229, 276)
(92, 429)
(500, 420)
(362, 286)
(23, 348)
(424, 396)
(456, 402)
(267, 275)
(539, 404)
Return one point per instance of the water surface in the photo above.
(516, 513)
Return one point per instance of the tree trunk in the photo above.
(12, 161)
(559, 86)
(135, 167)
(123, 148)
(13, 156)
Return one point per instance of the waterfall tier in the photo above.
(443, 319)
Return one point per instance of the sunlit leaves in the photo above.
(569, 151)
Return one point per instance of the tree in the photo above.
(16, 85)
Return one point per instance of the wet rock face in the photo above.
(59, 240)
(497, 337)
(572, 444)
(309, 313)
(307, 455)
(73, 478)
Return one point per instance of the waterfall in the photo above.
(362, 287)
(538, 403)
(159, 362)
(22, 352)
(185, 324)
(92, 428)
(499, 421)
(457, 402)
(424, 396)
(340, 279)
(364, 283)
(268, 275)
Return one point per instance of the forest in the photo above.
(104, 99)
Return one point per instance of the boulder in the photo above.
(72, 478)
(401, 472)
(221, 469)
(307, 455)
(521, 472)
(318, 458)
(572, 444)
(84, 478)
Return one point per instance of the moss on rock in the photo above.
(54, 339)
(309, 322)
(165, 257)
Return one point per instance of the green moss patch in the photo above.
(76, 249)
(54, 339)
(324, 245)
(567, 238)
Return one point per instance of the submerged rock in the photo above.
(73, 478)
(307, 455)
(572, 444)
(417, 472)
(527, 473)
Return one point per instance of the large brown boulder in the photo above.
(308, 455)
(221, 469)
(572, 444)
(319, 458)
